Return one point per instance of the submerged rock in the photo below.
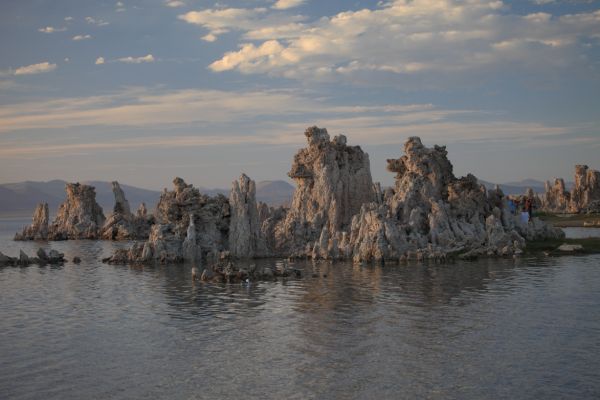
(38, 230)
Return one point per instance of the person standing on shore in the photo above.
(529, 207)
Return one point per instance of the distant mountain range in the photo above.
(21, 198)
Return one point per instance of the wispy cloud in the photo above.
(286, 4)
(51, 29)
(174, 3)
(97, 22)
(81, 37)
(35, 69)
(99, 61)
(137, 60)
(120, 7)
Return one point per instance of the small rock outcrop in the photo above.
(122, 224)
(245, 240)
(79, 217)
(584, 197)
(43, 258)
(333, 180)
(38, 230)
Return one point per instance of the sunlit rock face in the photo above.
(338, 213)
(333, 180)
(122, 224)
(38, 230)
(556, 198)
(79, 217)
(430, 214)
(584, 197)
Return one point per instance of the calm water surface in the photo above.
(503, 329)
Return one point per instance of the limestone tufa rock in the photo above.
(79, 217)
(122, 224)
(245, 239)
(38, 230)
(333, 181)
(584, 197)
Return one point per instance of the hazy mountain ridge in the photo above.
(20, 198)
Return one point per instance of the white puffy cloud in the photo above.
(285, 4)
(399, 37)
(137, 60)
(120, 6)
(35, 69)
(99, 61)
(81, 37)
(51, 29)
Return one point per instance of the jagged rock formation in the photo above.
(79, 217)
(245, 240)
(338, 213)
(586, 190)
(43, 258)
(333, 181)
(430, 214)
(584, 197)
(122, 224)
(38, 230)
(210, 224)
(557, 198)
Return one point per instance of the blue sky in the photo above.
(143, 91)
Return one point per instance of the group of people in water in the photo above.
(523, 205)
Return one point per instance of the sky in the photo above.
(143, 91)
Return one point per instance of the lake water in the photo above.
(501, 329)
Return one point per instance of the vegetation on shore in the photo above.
(570, 220)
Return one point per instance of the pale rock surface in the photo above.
(38, 230)
(584, 197)
(333, 180)
(79, 217)
(245, 240)
(586, 190)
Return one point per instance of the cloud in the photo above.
(174, 3)
(400, 38)
(286, 4)
(99, 61)
(120, 7)
(220, 21)
(264, 117)
(35, 69)
(97, 22)
(81, 37)
(137, 60)
(50, 29)
(68, 19)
